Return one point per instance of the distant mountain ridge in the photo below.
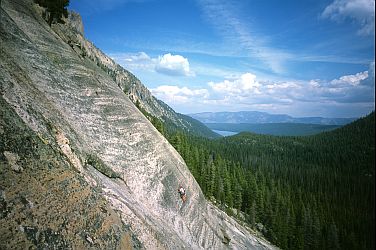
(279, 129)
(263, 117)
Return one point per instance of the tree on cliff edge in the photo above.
(56, 9)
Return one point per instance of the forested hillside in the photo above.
(312, 192)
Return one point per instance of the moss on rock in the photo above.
(99, 165)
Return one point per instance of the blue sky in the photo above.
(302, 58)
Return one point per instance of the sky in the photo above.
(301, 58)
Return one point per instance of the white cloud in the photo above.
(245, 84)
(351, 79)
(345, 95)
(362, 11)
(134, 61)
(247, 88)
(175, 94)
(314, 83)
(173, 65)
(140, 56)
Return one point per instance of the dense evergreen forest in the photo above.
(307, 192)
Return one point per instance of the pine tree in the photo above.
(333, 238)
(56, 9)
(237, 194)
(228, 192)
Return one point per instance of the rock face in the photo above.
(74, 20)
(81, 167)
(44, 203)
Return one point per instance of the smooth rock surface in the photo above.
(48, 205)
(76, 111)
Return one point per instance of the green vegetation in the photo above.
(158, 124)
(55, 9)
(197, 128)
(289, 129)
(311, 192)
(187, 124)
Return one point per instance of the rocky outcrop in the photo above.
(83, 168)
(74, 20)
(44, 203)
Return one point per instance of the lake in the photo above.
(224, 133)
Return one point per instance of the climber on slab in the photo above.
(182, 193)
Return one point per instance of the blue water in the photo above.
(225, 133)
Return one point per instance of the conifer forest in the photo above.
(302, 192)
